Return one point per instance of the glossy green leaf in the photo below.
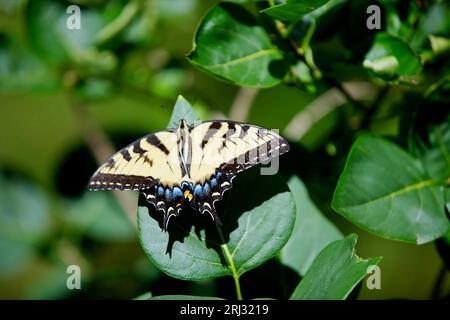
(385, 191)
(312, 231)
(257, 220)
(334, 273)
(183, 297)
(293, 10)
(390, 56)
(182, 110)
(232, 46)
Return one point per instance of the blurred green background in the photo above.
(69, 97)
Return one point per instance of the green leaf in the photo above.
(257, 220)
(232, 46)
(334, 273)
(183, 297)
(386, 191)
(182, 110)
(293, 10)
(390, 56)
(312, 231)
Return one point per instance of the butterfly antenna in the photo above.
(194, 101)
(164, 108)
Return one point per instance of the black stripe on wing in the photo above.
(252, 157)
(105, 181)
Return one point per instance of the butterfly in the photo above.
(190, 164)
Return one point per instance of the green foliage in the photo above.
(311, 229)
(386, 191)
(334, 273)
(390, 57)
(365, 111)
(231, 45)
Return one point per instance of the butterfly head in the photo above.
(182, 124)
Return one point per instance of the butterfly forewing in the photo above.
(238, 145)
(149, 160)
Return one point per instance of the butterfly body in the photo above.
(191, 164)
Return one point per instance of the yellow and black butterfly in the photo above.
(194, 164)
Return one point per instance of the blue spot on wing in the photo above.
(177, 193)
(213, 182)
(198, 191)
(169, 196)
(206, 189)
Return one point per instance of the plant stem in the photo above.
(333, 83)
(374, 107)
(118, 24)
(304, 52)
(242, 104)
(229, 257)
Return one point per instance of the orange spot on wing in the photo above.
(188, 194)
